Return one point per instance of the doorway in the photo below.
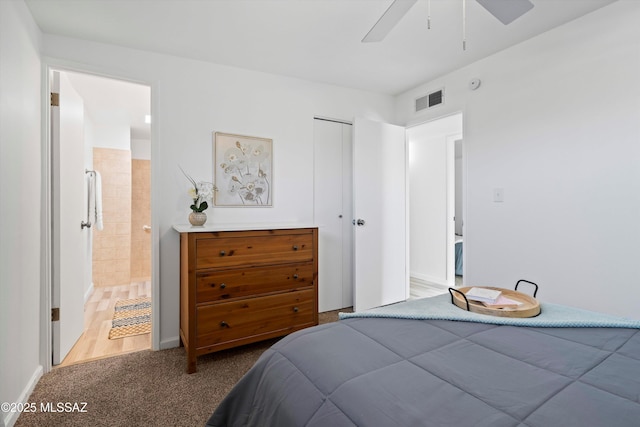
(112, 121)
(436, 206)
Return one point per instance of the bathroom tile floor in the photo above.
(98, 313)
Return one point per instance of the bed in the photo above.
(428, 363)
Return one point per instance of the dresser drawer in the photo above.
(231, 321)
(267, 249)
(243, 282)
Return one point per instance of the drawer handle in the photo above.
(295, 309)
(295, 247)
(295, 276)
(222, 253)
(224, 324)
(222, 285)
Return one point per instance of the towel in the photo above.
(94, 202)
(97, 184)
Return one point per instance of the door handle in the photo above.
(360, 222)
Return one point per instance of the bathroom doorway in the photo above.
(116, 142)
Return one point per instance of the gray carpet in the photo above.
(144, 388)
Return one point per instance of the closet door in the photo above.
(332, 213)
(347, 216)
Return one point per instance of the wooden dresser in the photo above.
(238, 287)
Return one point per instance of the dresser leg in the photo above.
(191, 364)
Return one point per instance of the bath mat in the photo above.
(131, 317)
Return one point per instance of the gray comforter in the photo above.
(401, 372)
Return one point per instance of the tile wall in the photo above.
(140, 217)
(122, 250)
(112, 245)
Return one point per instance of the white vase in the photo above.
(197, 219)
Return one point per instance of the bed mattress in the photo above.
(415, 372)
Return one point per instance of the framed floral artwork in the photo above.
(243, 170)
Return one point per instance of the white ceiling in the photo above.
(317, 40)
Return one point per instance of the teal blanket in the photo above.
(551, 316)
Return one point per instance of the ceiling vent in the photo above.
(431, 100)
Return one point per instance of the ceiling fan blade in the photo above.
(388, 20)
(507, 11)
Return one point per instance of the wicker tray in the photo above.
(529, 307)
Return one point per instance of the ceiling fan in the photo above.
(505, 10)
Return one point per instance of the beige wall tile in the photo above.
(140, 216)
(112, 245)
(122, 250)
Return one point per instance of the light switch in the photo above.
(498, 195)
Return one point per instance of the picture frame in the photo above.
(243, 170)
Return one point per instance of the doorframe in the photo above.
(47, 264)
(451, 206)
(423, 121)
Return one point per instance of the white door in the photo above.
(69, 210)
(332, 213)
(380, 212)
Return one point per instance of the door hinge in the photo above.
(55, 314)
(55, 99)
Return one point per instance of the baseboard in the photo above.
(88, 293)
(12, 417)
(170, 343)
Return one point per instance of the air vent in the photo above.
(429, 101)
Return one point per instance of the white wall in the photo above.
(459, 186)
(190, 101)
(20, 204)
(111, 131)
(556, 124)
(141, 149)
